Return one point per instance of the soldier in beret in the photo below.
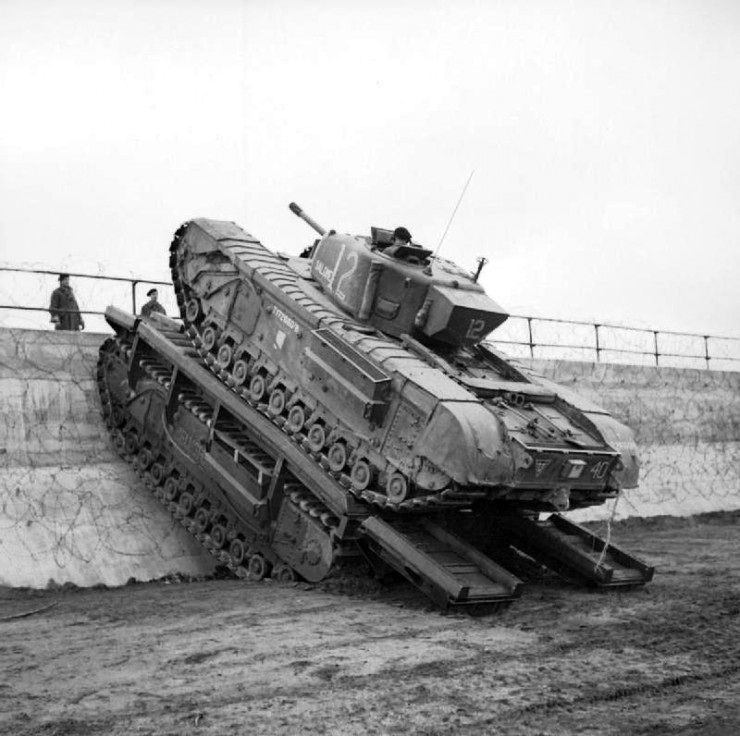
(152, 305)
(401, 239)
(401, 236)
(65, 314)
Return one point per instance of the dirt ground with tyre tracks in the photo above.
(224, 656)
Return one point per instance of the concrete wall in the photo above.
(687, 424)
(72, 511)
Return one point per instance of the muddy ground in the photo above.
(224, 656)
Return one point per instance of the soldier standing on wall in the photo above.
(152, 305)
(65, 314)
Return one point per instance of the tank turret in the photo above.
(402, 289)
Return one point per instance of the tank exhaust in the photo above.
(296, 210)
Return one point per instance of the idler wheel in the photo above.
(397, 488)
(296, 419)
(337, 456)
(218, 535)
(202, 519)
(258, 567)
(316, 437)
(209, 337)
(225, 355)
(361, 475)
(171, 489)
(239, 372)
(157, 471)
(186, 503)
(257, 387)
(238, 551)
(277, 402)
(131, 443)
(145, 458)
(192, 310)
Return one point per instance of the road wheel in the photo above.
(239, 372)
(361, 475)
(209, 337)
(145, 458)
(277, 402)
(202, 520)
(284, 574)
(317, 437)
(171, 489)
(238, 551)
(218, 535)
(119, 442)
(186, 503)
(157, 471)
(225, 355)
(257, 387)
(117, 416)
(337, 456)
(192, 310)
(296, 419)
(131, 443)
(258, 567)
(397, 488)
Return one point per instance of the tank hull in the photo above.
(410, 427)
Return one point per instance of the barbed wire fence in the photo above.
(65, 500)
(70, 511)
(520, 336)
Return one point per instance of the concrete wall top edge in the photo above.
(624, 370)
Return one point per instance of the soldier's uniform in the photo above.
(64, 307)
(150, 307)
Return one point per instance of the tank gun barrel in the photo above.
(296, 210)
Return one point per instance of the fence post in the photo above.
(655, 343)
(531, 343)
(706, 350)
(598, 346)
(133, 295)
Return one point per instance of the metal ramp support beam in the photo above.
(574, 552)
(443, 566)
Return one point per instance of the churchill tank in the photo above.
(344, 403)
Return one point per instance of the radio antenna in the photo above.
(452, 216)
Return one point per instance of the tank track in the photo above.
(233, 544)
(446, 499)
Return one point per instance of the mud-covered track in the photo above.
(247, 557)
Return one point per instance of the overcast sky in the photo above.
(605, 139)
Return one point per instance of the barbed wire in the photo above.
(521, 335)
(66, 500)
(64, 495)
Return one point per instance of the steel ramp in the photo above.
(574, 552)
(447, 569)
